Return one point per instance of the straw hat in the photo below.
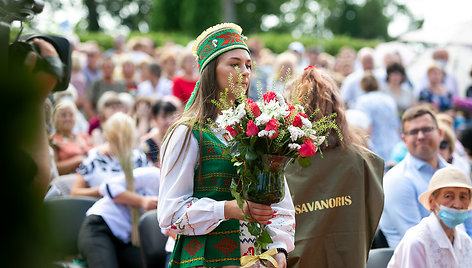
(445, 177)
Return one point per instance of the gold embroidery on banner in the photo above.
(333, 202)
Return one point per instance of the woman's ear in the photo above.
(432, 204)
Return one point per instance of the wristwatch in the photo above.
(284, 251)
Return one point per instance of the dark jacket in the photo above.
(338, 202)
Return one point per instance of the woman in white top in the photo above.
(105, 235)
(436, 241)
(101, 164)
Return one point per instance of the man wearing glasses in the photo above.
(410, 177)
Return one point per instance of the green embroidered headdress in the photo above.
(213, 42)
(217, 40)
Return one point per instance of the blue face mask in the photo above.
(451, 216)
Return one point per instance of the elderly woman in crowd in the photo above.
(108, 104)
(69, 148)
(436, 241)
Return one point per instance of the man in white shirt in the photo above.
(156, 87)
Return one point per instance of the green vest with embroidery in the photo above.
(221, 247)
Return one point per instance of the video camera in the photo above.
(16, 52)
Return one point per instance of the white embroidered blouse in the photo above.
(194, 216)
(426, 245)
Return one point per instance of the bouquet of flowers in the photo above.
(266, 136)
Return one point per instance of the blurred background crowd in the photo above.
(152, 84)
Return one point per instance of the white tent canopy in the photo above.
(455, 34)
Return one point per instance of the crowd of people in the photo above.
(416, 127)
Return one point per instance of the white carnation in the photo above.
(294, 146)
(262, 119)
(230, 117)
(295, 133)
(280, 99)
(275, 109)
(263, 133)
(240, 111)
(306, 123)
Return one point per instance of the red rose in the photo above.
(268, 96)
(232, 131)
(255, 109)
(291, 110)
(307, 149)
(252, 129)
(304, 115)
(273, 124)
(297, 121)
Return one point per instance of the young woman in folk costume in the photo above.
(196, 201)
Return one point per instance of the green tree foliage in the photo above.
(320, 18)
(372, 21)
(249, 13)
(360, 21)
(130, 13)
(166, 15)
(344, 19)
(92, 18)
(196, 16)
